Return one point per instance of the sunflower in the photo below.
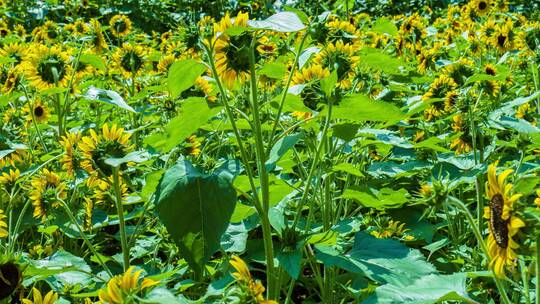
(9, 179)
(232, 52)
(47, 189)
(129, 59)
(339, 57)
(37, 111)
(120, 25)
(125, 288)
(254, 289)
(460, 70)
(11, 82)
(462, 143)
(11, 278)
(529, 39)
(165, 63)
(504, 37)
(201, 88)
(310, 78)
(49, 31)
(503, 223)
(427, 57)
(3, 225)
(487, 30)
(71, 159)
(341, 30)
(392, 228)
(103, 194)
(15, 51)
(48, 67)
(443, 91)
(50, 298)
(96, 148)
(537, 199)
(20, 31)
(194, 145)
(481, 7)
(80, 28)
(97, 38)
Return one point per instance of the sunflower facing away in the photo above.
(124, 289)
(46, 192)
(96, 148)
(339, 57)
(48, 67)
(503, 224)
(129, 59)
(232, 52)
(310, 77)
(120, 25)
(70, 159)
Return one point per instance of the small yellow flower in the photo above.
(243, 276)
(3, 225)
(50, 298)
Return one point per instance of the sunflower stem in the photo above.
(537, 262)
(263, 178)
(120, 211)
(500, 286)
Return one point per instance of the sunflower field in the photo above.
(269, 151)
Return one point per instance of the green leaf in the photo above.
(61, 269)
(328, 83)
(385, 26)
(382, 199)
(132, 157)
(433, 144)
(107, 96)
(281, 147)
(285, 22)
(345, 131)
(432, 288)
(291, 262)
(292, 103)
(194, 113)
(274, 70)
(381, 260)
(195, 208)
(182, 75)
(526, 185)
(379, 60)
(93, 60)
(348, 168)
(361, 108)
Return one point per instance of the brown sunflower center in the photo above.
(39, 111)
(11, 278)
(501, 40)
(498, 225)
(482, 5)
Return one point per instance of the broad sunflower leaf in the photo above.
(361, 108)
(429, 289)
(379, 60)
(194, 113)
(93, 60)
(381, 199)
(107, 96)
(183, 74)
(285, 22)
(195, 207)
(281, 147)
(384, 26)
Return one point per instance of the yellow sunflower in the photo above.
(129, 59)
(48, 67)
(503, 223)
(120, 25)
(50, 298)
(8, 179)
(232, 52)
(37, 111)
(392, 228)
(310, 78)
(481, 7)
(201, 88)
(253, 287)
(47, 189)
(97, 38)
(124, 288)
(15, 51)
(504, 37)
(462, 143)
(3, 225)
(342, 30)
(96, 148)
(194, 145)
(442, 90)
(165, 63)
(341, 58)
(49, 31)
(71, 159)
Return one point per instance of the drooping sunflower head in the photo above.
(503, 223)
(48, 67)
(96, 148)
(341, 58)
(71, 158)
(125, 286)
(47, 189)
(120, 25)
(130, 59)
(310, 78)
(9, 178)
(96, 34)
(463, 142)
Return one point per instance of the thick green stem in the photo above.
(263, 178)
(120, 211)
(483, 246)
(537, 261)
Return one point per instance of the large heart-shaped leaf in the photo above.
(183, 74)
(196, 208)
